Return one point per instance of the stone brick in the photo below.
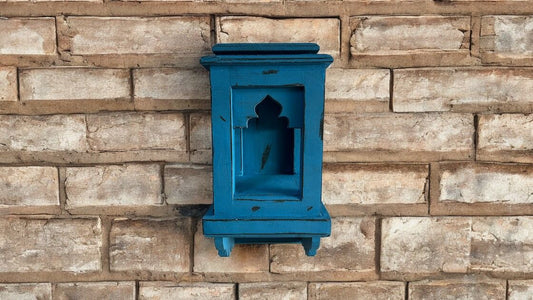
(8, 84)
(150, 245)
(136, 131)
(507, 137)
(347, 253)
(171, 84)
(520, 289)
(365, 90)
(27, 36)
(457, 289)
(29, 187)
(324, 32)
(502, 244)
(200, 291)
(402, 35)
(486, 183)
(47, 245)
(74, 84)
(171, 35)
(128, 185)
(273, 290)
(393, 137)
(42, 133)
(188, 184)
(374, 184)
(364, 290)
(420, 245)
(18, 291)
(506, 39)
(200, 137)
(463, 89)
(244, 259)
(95, 290)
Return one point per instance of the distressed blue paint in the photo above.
(267, 115)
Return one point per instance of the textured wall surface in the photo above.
(105, 150)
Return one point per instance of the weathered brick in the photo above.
(244, 259)
(129, 185)
(150, 245)
(463, 89)
(171, 84)
(200, 291)
(200, 137)
(188, 184)
(520, 289)
(486, 183)
(171, 35)
(506, 39)
(273, 290)
(404, 34)
(364, 90)
(26, 187)
(95, 290)
(17, 291)
(390, 137)
(364, 290)
(457, 289)
(420, 245)
(46, 245)
(8, 84)
(136, 131)
(507, 137)
(347, 254)
(374, 184)
(325, 32)
(27, 36)
(43, 133)
(502, 244)
(74, 84)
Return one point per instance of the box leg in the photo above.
(311, 245)
(224, 245)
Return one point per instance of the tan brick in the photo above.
(171, 35)
(401, 35)
(95, 290)
(27, 36)
(171, 84)
(324, 32)
(200, 137)
(150, 245)
(393, 137)
(8, 84)
(502, 244)
(136, 131)
(421, 245)
(486, 183)
(24, 187)
(46, 245)
(364, 90)
(520, 289)
(506, 39)
(457, 289)
(244, 259)
(200, 291)
(347, 254)
(17, 291)
(43, 133)
(463, 89)
(374, 184)
(273, 290)
(364, 290)
(74, 84)
(188, 184)
(128, 185)
(507, 137)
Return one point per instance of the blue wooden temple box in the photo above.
(267, 121)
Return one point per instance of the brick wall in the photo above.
(105, 150)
